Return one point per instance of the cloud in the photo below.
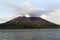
(56, 13)
(29, 9)
(43, 16)
(26, 8)
(23, 9)
(54, 17)
(2, 19)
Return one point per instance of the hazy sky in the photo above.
(48, 9)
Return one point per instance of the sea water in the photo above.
(30, 34)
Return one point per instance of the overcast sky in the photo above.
(49, 9)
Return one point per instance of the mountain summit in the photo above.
(28, 23)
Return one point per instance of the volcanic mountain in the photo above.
(28, 23)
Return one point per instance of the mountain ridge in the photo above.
(28, 23)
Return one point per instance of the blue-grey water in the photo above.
(30, 34)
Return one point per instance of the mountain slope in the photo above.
(28, 23)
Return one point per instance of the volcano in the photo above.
(28, 23)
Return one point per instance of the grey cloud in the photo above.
(35, 13)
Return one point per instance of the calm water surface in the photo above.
(30, 34)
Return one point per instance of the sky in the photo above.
(47, 9)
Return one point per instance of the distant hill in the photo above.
(28, 23)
